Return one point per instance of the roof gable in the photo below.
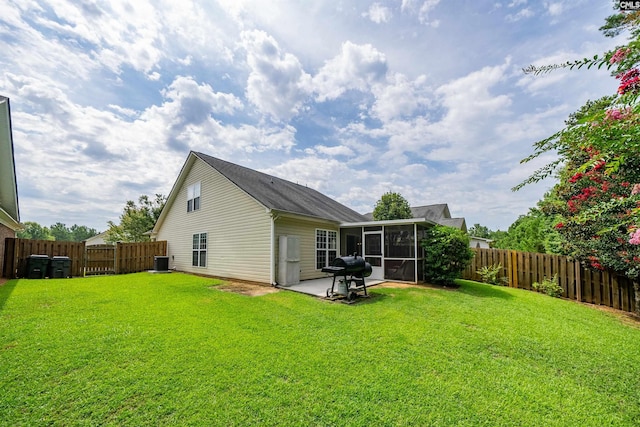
(282, 195)
(9, 212)
(432, 212)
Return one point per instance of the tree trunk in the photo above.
(636, 289)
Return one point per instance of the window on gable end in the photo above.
(193, 197)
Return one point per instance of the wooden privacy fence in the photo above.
(522, 269)
(134, 257)
(18, 250)
(121, 258)
(100, 259)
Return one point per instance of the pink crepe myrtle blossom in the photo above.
(619, 55)
(618, 114)
(635, 237)
(629, 81)
(635, 190)
(575, 178)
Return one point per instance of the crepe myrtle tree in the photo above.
(446, 254)
(597, 197)
(392, 206)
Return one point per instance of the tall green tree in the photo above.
(34, 231)
(136, 220)
(481, 231)
(392, 206)
(60, 232)
(77, 233)
(533, 232)
(81, 232)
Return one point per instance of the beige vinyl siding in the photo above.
(238, 228)
(306, 230)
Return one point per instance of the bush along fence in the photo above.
(523, 269)
(121, 258)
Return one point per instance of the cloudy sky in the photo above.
(353, 98)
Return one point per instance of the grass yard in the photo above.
(172, 349)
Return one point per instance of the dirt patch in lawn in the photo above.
(629, 319)
(400, 285)
(397, 285)
(251, 289)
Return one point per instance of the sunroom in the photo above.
(392, 247)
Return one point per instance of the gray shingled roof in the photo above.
(282, 195)
(438, 213)
(431, 212)
(458, 223)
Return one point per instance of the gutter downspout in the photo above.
(415, 253)
(272, 255)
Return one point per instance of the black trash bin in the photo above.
(60, 267)
(161, 263)
(37, 266)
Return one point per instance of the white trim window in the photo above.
(193, 197)
(326, 247)
(199, 254)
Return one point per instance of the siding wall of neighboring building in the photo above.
(238, 229)
(476, 242)
(4, 233)
(98, 239)
(306, 230)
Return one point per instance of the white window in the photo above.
(199, 258)
(326, 247)
(193, 197)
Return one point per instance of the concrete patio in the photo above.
(318, 287)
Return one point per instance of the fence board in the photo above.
(578, 283)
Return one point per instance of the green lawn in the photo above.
(172, 349)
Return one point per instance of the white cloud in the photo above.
(419, 8)
(398, 96)
(554, 9)
(334, 151)
(277, 84)
(516, 3)
(522, 14)
(426, 9)
(378, 13)
(356, 67)
(469, 102)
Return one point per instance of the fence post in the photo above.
(116, 258)
(577, 268)
(513, 265)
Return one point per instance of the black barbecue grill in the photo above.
(352, 269)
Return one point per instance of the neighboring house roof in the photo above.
(458, 223)
(482, 239)
(9, 212)
(438, 213)
(432, 212)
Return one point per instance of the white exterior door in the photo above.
(373, 253)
